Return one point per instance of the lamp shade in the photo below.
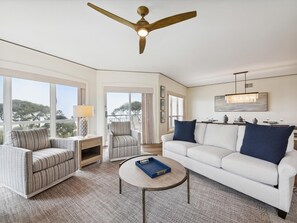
(83, 111)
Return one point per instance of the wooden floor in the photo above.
(152, 148)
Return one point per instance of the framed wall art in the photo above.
(162, 91)
(162, 104)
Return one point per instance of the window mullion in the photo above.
(53, 104)
(7, 106)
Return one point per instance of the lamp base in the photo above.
(83, 127)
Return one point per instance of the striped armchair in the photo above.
(32, 162)
(123, 142)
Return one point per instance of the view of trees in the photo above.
(124, 109)
(28, 111)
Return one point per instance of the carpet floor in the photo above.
(92, 196)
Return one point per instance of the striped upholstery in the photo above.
(45, 177)
(124, 141)
(120, 128)
(45, 158)
(33, 139)
(30, 172)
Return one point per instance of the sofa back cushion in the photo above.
(120, 128)
(223, 136)
(33, 139)
(200, 132)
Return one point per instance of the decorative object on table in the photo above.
(162, 91)
(83, 112)
(240, 119)
(255, 121)
(162, 104)
(271, 122)
(245, 97)
(153, 167)
(222, 106)
(226, 119)
(143, 27)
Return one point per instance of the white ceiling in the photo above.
(227, 36)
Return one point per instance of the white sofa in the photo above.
(217, 156)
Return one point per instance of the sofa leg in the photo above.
(281, 214)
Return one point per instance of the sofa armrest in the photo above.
(66, 143)
(136, 135)
(287, 169)
(167, 137)
(16, 168)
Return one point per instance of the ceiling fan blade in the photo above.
(112, 16)
(142, 42)
(171, 20)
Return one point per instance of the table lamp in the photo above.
(83, 112)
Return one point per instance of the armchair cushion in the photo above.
(122, 141)
(120, 128)
(45, 158)
(33, 139)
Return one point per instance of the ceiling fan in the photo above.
(142, 27)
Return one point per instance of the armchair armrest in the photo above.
(136, 135)
(16, 168)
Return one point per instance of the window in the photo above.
(65, 123)
(30, 104)
(1, 111)
(175, 110)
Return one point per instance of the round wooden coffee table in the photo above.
(133, 175)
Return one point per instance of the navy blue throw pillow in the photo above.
(266, 142)
(184, 130)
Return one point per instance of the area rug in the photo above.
(92, 196)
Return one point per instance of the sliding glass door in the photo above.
(121, 107)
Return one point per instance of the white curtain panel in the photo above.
(147, 119)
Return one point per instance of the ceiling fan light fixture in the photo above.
(142, 32)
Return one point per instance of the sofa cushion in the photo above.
(223, 136)
(208, 154)
(266, 142)
(251, 168)
(184, 130)
(179, 147)
(45, 158)
(33, 139)
(124, 140)
(200, 132)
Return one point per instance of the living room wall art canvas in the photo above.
(261, 105)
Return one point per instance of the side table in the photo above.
(89, 150)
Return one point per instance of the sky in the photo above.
(115, 100)
(39, 92)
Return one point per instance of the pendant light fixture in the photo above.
(251, 97)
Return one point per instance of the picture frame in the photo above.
(162, 116)
(162, 91)
(162, 104)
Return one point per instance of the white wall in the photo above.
(22, 59)
(282, 100)
(173, 87)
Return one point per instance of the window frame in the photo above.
(170, 128)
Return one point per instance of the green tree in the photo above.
(124, 109)
(28, 111)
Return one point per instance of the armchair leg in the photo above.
(281, 214)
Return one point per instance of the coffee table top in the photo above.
(133, 175)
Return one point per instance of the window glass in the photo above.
(30, 100)
(175, 110)
(66, 125)
(118, 107)
(136, 111)
(1, 111)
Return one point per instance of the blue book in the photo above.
(153, 167)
